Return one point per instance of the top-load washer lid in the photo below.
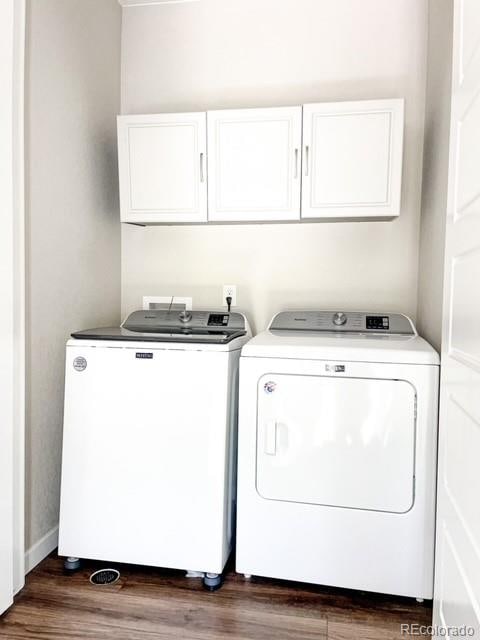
(158, 325)
(355, 336)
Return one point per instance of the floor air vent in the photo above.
(105, 576)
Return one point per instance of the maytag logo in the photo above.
(143, 355)
(80, 363)
(270, 386)
(336, 368)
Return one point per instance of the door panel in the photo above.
(161, 169)
(352, 159)
(162, 163)
(345, 442)
(7, 296)
(460, 448)
(457, 571)
(254, 164)
(456, 589)
(464, 323)
(336, 179)
(468, 143)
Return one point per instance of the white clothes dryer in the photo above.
(337, 452)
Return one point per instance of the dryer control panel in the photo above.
(344, 322)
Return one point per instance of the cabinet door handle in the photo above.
(202, 177)
(296, 164)
(270, 445)
(307, 150)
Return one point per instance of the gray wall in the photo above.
(73, 230)
(213, 54)
(435, 170)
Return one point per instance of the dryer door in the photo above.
(342, 442)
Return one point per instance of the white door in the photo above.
(7, 301)
(343, 442)
(457, 573)
(352, 159)
(254, 164)
(162, 168)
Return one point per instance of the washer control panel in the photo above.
(343, 322)
(160, 320)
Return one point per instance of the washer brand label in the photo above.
(142, 355)
(269, 387)
(80, 363)
(336, 368)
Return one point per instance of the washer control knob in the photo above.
(185, 316)
(339, 318)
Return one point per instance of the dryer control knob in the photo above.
(185, 316)
(339, 318)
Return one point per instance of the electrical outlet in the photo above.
(229, 290)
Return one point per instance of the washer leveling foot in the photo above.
(212, 581)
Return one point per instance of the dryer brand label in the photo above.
(269, 387)
(80, 363)
(336, 368)
(143, 355)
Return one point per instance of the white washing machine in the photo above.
(337, 452)
(149, 442)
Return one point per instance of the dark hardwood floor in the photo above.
(151, 604)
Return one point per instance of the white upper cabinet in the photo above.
(162, 167)
(337, 160)
(352, 159)
(254, 158)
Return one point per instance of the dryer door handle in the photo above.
(271, 438)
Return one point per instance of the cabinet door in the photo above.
(162, 167)
(254, 164)
(352, 159)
